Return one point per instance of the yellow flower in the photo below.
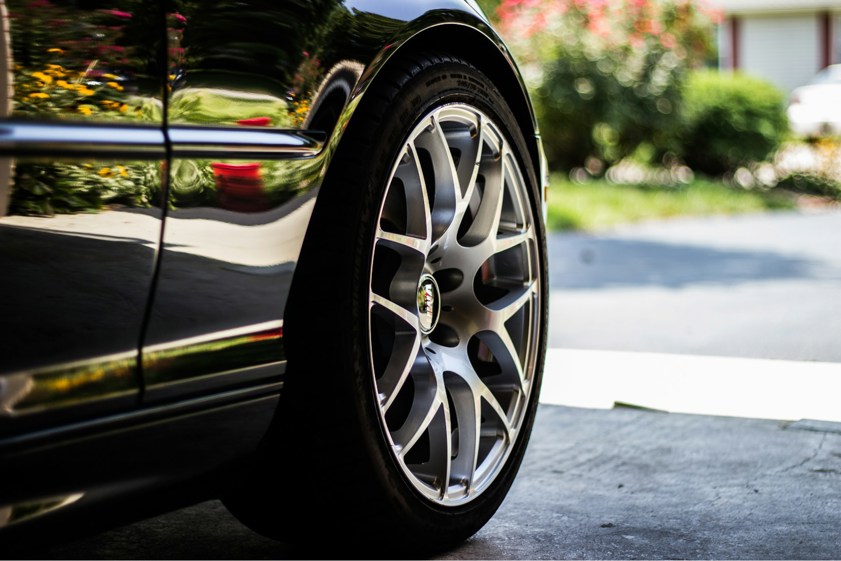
(84, 90)
(55, 67)
(43, 77)
(111, 76)
(85, 109)
(122, 171)
(123, 108)
(115, 85)
(109, 104)
(63, 84)
(39, 95)
(105, 172)
(56, 51)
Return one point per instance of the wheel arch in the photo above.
(478, 44)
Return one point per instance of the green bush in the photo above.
(728, 121)
(606, 76)
(811, 183)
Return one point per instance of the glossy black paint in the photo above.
(81, 197)
(149, 315)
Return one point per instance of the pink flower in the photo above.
(117, 13)
(668, 41)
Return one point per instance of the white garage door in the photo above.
(785, 50)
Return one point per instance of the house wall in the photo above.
(836, 39)
(785, 50)
(783, 41)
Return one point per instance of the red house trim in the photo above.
(825, 34)
(734, 42)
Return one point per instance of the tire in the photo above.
(415, 326)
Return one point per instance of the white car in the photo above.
(815, 109)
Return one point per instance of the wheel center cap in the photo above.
(429, 303)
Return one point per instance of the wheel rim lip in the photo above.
(451, 495)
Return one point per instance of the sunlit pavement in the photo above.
(706, 385)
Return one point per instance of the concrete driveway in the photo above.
(596, 484)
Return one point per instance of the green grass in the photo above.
(599, 204)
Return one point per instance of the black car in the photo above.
(285, 253)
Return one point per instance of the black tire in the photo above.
(327, 468)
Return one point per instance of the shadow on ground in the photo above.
(589, 262)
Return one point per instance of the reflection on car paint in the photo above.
(230, 247)
(89, 64)
(18, 512)
(236, 223)
(250, 353)
(69, 384)
(81, 234)
(82, 240)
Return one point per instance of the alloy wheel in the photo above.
(454, 304)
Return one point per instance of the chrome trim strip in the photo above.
(63, 139)
(256, 143)
(212, 361)
(68, 385)
(217, 336)
(60, 139)
(214, 381)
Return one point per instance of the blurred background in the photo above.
(695, 177)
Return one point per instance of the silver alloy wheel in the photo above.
(454, 304)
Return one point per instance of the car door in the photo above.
(247, 159)
(82, 153)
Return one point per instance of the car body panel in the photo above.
(81, 155)
(241, 134)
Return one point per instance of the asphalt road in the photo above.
(597, 484)
(759, 286)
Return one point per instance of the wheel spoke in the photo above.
(444, 176)
(508, 357)
(466, 139)
(424, 409)
(506, 242)
(403, 241)
(407, 201)
(491, 400)
(468, 414)
(408, 317)
(403, 359)
(422, 197)
(513, 302)
(486, 222)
